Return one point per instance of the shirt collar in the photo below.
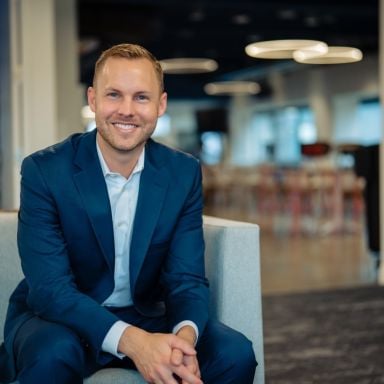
(106, 171)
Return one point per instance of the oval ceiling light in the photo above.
(335, 55)
(188, 65)
(232, 87)
(283, 49)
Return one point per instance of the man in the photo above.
(111, 244)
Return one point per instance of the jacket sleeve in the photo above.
(184, 272)
(53, 294)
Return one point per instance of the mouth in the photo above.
(124, 126)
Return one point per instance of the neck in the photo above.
(122, 162)
(122, 165)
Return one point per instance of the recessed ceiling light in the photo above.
(334, 55)
(287, 14)
(188, 65)
(311, 21)
(283, 49)
(241, 19)
(232, 87)
(88, 45)
(197, 15)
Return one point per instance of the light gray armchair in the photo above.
(233, 268)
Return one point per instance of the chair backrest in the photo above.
(233, 269)
(10, 270)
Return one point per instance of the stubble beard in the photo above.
(122, 148)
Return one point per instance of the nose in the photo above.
(126, 107)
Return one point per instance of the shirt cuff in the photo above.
(182, 324)
(112, 338)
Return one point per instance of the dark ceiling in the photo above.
(220, 29)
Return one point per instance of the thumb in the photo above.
(176, 357)
(184, 347)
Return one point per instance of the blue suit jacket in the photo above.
(66, 245)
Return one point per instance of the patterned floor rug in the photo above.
(325, 337)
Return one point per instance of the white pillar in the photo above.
(345, 107)
(34, 73)
(70, 94)
(6, 155)
(46, 97)
(33, 84)
(239, 123)
(321, 102)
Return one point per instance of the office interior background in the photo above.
(301, 158)
(292, 157)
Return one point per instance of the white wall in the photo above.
(71, 95)
(45, 96)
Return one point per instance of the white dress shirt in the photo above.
(123, 194)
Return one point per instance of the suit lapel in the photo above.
(92, 188)
(153, 186)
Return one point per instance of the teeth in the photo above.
(124, 126)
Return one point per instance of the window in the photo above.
(212, 147)
(277, 135)
(358, 122)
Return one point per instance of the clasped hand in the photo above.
(161, 358)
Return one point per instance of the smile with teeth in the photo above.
(125, 126)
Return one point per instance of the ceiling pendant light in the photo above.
(232, 88)
(283, 49)
(188, 65)
(334, 55)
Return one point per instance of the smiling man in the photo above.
(111, 243)
(127, 98)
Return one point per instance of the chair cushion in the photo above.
(115, 376)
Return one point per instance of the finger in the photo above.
(181, 344)
(165, 376)
(188, 382)
(187, 376)
(193, 367)
(192, 364)
(177, 357)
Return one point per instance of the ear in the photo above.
(162, 104)
(91, 95)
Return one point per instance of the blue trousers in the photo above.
(50, 353)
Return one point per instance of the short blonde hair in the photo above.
(129, 51)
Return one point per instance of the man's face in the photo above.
(127, 101)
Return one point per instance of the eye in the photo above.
(142, 97)
(112, 94)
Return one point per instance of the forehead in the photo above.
(120, 69)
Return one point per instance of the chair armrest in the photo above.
(233, 269)
(10, 268)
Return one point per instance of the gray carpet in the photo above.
(325, 337)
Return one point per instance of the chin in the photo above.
(127, 147)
